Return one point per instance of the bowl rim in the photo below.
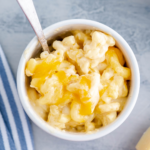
(102, 131)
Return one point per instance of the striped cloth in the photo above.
(15, 128)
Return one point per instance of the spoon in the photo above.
(30, 12)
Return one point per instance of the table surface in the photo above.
(130, 18)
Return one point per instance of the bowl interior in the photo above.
(53, 32)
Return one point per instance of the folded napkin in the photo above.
(15, 128)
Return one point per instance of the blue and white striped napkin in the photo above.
(15, 128)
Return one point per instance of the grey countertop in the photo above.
(130, 18)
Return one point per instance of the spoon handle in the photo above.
(30, 12)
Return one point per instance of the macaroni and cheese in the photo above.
(82, 84)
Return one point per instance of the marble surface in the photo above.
(130, 18)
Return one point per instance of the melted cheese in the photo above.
(63, 95)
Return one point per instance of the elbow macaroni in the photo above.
(82, 84)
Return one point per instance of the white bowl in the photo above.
(53, 31)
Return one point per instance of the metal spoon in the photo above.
(30, 12)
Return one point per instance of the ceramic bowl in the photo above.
(52, 32)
